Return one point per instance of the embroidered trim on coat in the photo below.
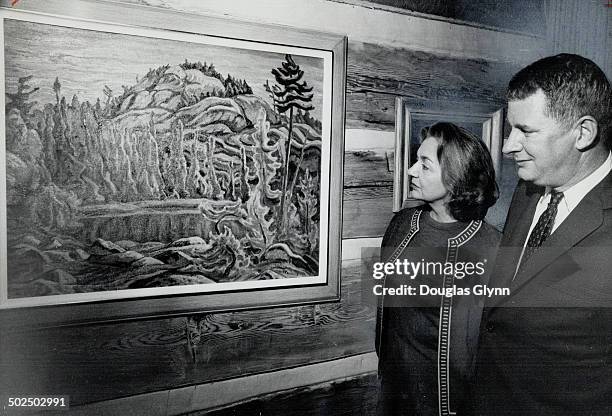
(414, 228)
(444, 327)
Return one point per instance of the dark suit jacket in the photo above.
(546, 348)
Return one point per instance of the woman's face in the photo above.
(426, 174)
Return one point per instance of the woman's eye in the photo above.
(425, 167)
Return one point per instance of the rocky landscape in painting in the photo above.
(185, 177)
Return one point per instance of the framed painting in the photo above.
(408, 125)
(157, 163)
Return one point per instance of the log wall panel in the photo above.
(367, 211)
(368, 193)
(377, 74)
(356, 396)
(425, 75)
(101, 362)
(367, 168)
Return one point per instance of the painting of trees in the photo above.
(289, 93)
(145, 170)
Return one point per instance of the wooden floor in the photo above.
(353, 397)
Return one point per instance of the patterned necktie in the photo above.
(544, 226)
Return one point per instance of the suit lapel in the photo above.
(515, 233)
(583, 220)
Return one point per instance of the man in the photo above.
(546, 348)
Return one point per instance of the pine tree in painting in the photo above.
(289, 93)
(21, 99)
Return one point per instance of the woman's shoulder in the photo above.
(399, 224)
(404, 215)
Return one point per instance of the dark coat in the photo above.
(420, 374)
(547, 348)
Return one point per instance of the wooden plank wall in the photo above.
(356, 396)
(101, 362)
(94, 363)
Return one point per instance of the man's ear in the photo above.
(587, 133)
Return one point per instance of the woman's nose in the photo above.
(413, 170)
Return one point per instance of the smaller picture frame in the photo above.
(408, 125)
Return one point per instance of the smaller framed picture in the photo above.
(408, 125)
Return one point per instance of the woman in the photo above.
(424, 366)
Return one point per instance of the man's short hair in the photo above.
(467, 171)
(574, 87)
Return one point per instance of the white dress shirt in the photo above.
(571, 198)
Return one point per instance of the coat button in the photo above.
(490, 327)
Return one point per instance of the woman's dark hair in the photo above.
(467, 171)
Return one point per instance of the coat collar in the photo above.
(583, 221)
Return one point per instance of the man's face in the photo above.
(426, 174)
(542, 147)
